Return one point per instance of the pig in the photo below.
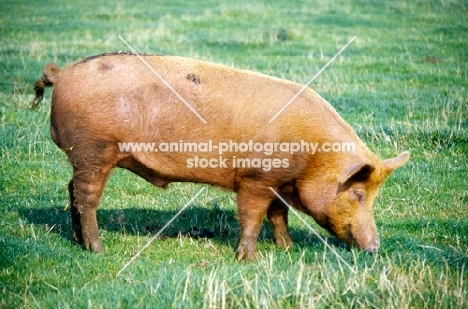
(102, 101)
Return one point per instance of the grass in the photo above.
(401, 84)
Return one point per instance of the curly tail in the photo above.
(48, 79)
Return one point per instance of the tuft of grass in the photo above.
(401, 84)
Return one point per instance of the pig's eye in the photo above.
(358, 195)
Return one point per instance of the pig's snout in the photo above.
(374, 246)
(367, 238)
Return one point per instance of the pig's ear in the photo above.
(355, 172)
(394, 163)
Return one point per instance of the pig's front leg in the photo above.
(252, 207)
(278, 217)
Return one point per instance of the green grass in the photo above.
(402, 84)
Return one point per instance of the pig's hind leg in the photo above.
(85, 190)
(90, 174)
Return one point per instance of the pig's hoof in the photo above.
(246, 251)
(284, 242)
(95, 246)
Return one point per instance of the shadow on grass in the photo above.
(221, 225)
(140, 221)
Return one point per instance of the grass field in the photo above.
(402, 84)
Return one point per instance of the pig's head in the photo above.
(349, 215)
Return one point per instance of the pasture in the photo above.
(401, 84)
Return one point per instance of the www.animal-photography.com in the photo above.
(222, 154)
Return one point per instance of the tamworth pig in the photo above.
(103, 101)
